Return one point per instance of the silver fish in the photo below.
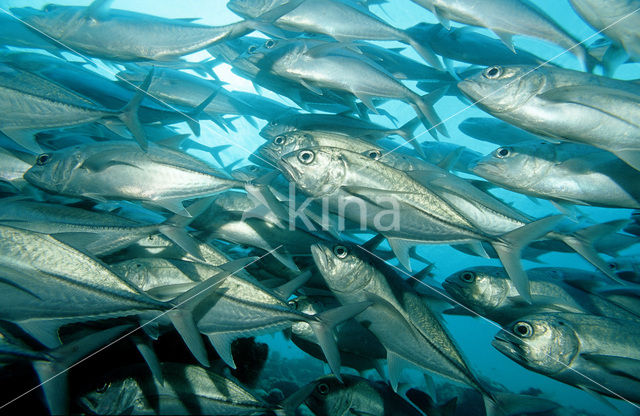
(121, 170)
(123, 35)
(489, 292)
(569, 172)
(563, 104)
(341, 20)
(590, 352)
(186, 389)
(398, 317)
(495, 131)
(506, 18)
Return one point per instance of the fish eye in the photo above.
(49, 7)
(612, 266)
(493, 72)
(523, 330)
(323, 388)
(293, 304)
(306, 156)
(503, 152)
(468, 277)
(341, 252)
(252, 49)
(374, 154)
(253, 168)
(279, 140)
(103, 388)
(270, 43)
(42, 159)
(273, 123)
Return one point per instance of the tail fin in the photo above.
(407, 130)
(174, 228)
(323, 325)
(53, 373)
(181, 308)
(423, 106)
(424, 51)
(510, 245)
(192, 116)
(129, 113)
(582, 241)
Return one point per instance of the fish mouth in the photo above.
(288, 170)
(508, 348)
(468, 88)
(319, 256)
(481, 168)
(266, 152)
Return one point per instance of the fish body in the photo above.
(568, 172)
(564, 105)
(489, 292)
(121, 170)
(590, 352)
(124, 35)
(186, 389)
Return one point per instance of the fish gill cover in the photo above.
(320, 207)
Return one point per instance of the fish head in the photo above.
(330, 397)
(53, 19)
(286, 143)
(544, 343)
(502, 89)
(482, 289)
(249, 173)
(53, 170)
(626, 268)
(277, 126)
(252, 9)
(310, 306)
(517, 165)
(342, 267)
(316, 171)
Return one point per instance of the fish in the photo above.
(312, 66)
(617, 22)
(626, 267)
(97, 30)
(13, 165)
(464, 44)
(186, 389)
(507, 18)
(32, 103)
(399, 318)
(426, 210)
(489, 292)
(246, 308)
(358, 396)
(602, 110)
(594, 353)
(568, 172)
(98, 233)
(41, 293)
(118, 170)
(359, 348)
(342, 21)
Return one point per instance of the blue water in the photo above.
(473, 335)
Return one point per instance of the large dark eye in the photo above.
(503, 152)
(293, 304)
(493, 72)
(252, 49)
(523, 330)
(279, 140)
(341, 251)
(306, 156)
(468, 277)
(103, 388)
(42, 159)
(253, 168)
(374, 154)
(323, 388)
(270, 44)
(612, 266)
(273, 123)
